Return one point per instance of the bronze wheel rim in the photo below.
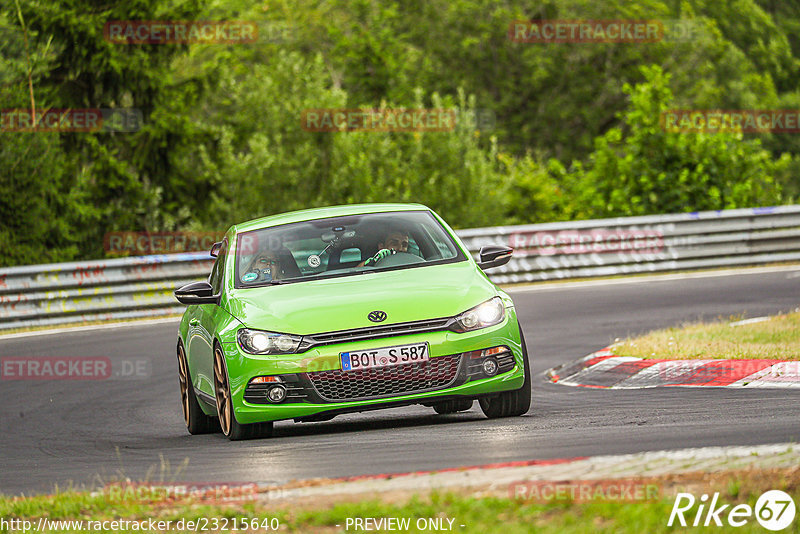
(183, 378)
(222, 392)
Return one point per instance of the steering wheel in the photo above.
(398, 258)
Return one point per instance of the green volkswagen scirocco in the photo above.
(315, 313)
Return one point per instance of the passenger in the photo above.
(265, 267)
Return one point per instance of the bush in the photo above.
(639, 168)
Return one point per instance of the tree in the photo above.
(643, 169)
(121, 176)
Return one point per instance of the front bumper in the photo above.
(314, 378)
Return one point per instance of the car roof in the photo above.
(323, 213)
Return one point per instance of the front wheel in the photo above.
(231, 428)
(197, 422)
(511, 403)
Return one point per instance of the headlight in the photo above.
(261, 342)
(488, 313)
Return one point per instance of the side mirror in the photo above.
(494, 256)
(196, 293)
(215, 248)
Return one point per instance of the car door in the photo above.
(204, 327)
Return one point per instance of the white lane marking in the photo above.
(555, 285)
(108, 326)
(750, 321)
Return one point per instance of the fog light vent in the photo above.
(490, 366)
(276, 394)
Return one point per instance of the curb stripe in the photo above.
(614, 373)
(783, 374)
(519, 463)
(594, 375)
(604, 370)
(573, 368)
(726, 374)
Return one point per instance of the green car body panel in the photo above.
(342, 303)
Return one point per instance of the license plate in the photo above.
(384, 357)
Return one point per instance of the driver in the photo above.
(265, 267)
(394, 241)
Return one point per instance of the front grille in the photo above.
(370, 332)
(338, 385)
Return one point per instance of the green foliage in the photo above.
(114, 179)
(35, 194)
(33, 202)
(265, 162)
(576, 132)
(648, 170)
(536, 192)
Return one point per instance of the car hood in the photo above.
(342, 303)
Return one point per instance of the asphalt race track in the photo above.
(87, 432)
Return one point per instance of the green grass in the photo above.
(488, 514)
(775, 339)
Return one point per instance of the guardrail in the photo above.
(651, 243)
(41, 295)
(125, 288)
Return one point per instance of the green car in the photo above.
(315, 313)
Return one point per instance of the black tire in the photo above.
(453, 406)
(197, 422)
(230, 427)
(511, 403)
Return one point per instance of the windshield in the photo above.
(342, 246)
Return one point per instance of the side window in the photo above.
(217, 270)
(413, 248)
(443, 248)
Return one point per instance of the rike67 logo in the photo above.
(774, 510)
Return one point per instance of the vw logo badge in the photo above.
(377, 316)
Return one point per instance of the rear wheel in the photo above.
(453, 406)
(231, 428)
(197, 422)
(511, 403)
